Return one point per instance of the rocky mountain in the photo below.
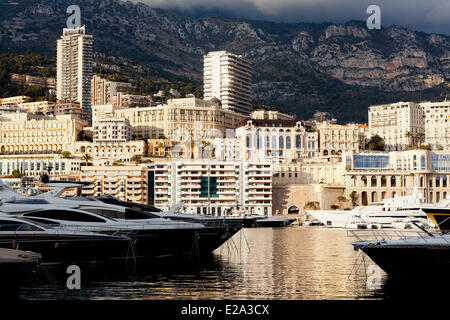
(340, 68)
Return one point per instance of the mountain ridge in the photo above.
(301, 66)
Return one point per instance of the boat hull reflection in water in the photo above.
(293, 263)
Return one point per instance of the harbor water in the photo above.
(291, 263)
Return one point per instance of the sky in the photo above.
(422, 15)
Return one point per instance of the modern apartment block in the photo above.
(111, 130)
(74, 68)
(105, 92)
(227, 77)
(437, 124)
(127, 183)
(212, 188)
(393, 121)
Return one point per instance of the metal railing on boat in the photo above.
(385, 234)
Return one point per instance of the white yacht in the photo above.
(399, 212)
(152, 235)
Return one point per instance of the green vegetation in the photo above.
(312, 205)
(87, 158)
(136, 159)
(354, 198)
(16, 174)
(341, 200)
(376, 143)
(66, 154)
(30, 63)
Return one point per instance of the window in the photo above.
(393, 181)
(288, 142)
(128, 214)
(281, 142)
(274, 142)
(65, 215)
(298, 143)
(249, 141)
(12, 225)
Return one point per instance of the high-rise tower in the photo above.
(227, 77)
(74, 68)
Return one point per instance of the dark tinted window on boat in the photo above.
(47, 223)
(65, 215)
(6, 225)
(127, 214)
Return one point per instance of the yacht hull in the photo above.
(69, 248)
(408, 261)
(177, 243)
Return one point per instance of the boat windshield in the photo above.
(18, 225)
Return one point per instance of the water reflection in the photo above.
(284, 264)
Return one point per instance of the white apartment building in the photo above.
(111, 130)
(105, 92)
(227, 77)
(393, 121)
(212, 187)
(34, 164)
(74, 68)
(127, 183)
(437, 124)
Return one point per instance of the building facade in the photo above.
(34, 164)
(377, 176)
(25, 133)
(127, 183)
(180, 119)
(227, 77)
(112, 151)
(111, 130)
(105, 92)
(436, 117)
(74, 68)
(212, 188)
(335, 139)
(403, 124)
(276, 141)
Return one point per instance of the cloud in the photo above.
(428, 15)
